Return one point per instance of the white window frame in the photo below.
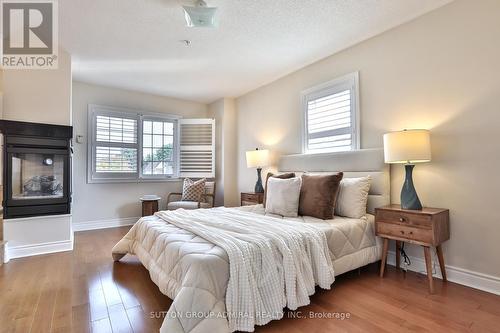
(346, 82)
(175, 160)
(95, 177)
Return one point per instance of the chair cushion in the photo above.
(186, 205)
(193, 190)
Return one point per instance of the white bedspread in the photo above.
(195, 272)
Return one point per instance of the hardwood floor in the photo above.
(84, 291)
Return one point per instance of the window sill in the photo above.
(329, 152)
(131, 181)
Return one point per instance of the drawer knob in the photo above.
(402, 219)
(402, 232)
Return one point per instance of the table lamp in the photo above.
(408, 147)
(258, 159)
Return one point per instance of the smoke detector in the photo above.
(200, 15)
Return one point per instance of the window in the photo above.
(125, 145)
(331, 116)
(158, 147)
(115, 145)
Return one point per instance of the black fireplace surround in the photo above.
(36, 169)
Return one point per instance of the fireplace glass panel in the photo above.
(37, 176)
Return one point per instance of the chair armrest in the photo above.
(172, 194)
(200, 199)
(211, 196)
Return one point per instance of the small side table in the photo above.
(251, 198)
(428, 227)
(149, 204)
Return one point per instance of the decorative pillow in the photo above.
(282, 176)
(353, 196)
(283, 196)
(193, 190)
(318, 195)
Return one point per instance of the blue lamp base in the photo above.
(258, 185)
(409, 197)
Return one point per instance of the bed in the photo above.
(187, 265)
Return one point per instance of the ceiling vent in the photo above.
(200, 15)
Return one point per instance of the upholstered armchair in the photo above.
(206, 200)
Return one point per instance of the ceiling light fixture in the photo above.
(200, 15)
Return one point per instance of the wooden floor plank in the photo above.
(119, 319)
(80, 319)
(62, 317)
(101, 326)
(85, 291)
(44, 308)
(140, 322)
(97, 302)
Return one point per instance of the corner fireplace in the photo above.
(37, 172)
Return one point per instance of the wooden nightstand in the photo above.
(251, 198)
(427, 227)
(149, 205)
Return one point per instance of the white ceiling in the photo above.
(134, 44)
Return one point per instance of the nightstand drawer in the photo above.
(405, 219)
(408, 233)
(248, 199)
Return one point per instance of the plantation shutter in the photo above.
(197, 148)
(331, 118)
(114, 144)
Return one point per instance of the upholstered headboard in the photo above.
(353, 163)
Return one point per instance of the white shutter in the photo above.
(331, 116)
(113, 144)
(197, 148)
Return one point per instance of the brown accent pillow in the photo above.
(318, 195)
(281, 176)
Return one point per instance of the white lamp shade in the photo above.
(408, 146)
(257, 158)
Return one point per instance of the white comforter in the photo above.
(273, 264)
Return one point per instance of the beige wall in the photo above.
(439, 72)
(39, 96)
(225, 115)
(216, 111)
(103, 202)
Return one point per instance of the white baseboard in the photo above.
(37, 249)
(458, 275)
(104, 224)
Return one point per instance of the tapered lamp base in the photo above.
(409, 197)
(258, 185)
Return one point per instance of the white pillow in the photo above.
(352, 197)
(283, 196)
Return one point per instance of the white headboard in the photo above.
(357, 163)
